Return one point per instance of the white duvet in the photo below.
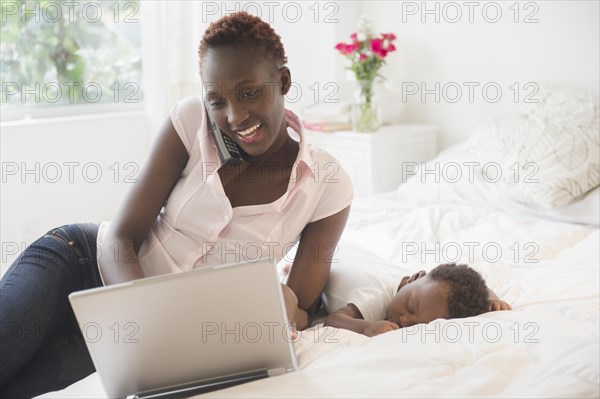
(548, 346)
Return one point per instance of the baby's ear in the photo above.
(403, 282)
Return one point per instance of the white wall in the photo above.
(564, 46)
(65, 170)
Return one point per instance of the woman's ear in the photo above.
(285, 78)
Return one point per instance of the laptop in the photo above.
(188, 333)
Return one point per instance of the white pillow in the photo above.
(423, 189)
(355, 267)
(549, 155)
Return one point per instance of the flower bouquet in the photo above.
(367, 53)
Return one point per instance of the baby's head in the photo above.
(448, 291)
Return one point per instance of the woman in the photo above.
(188, 209)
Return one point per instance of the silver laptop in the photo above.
(187, 333)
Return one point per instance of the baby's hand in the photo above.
(498, 304)
(379, 327)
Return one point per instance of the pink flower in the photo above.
(353, 36)
(362, 57)
(377, 48)
(342, 48)
(389, 36)
(347, 49)
(352, 47)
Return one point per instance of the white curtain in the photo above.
(171, 32)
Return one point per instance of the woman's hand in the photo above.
(379, 327)
(293, 121)
(291, 306)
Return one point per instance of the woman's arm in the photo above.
(137, 213)
(310, 270)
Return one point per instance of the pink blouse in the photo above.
(197, 225)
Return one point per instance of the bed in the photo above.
(537, 251)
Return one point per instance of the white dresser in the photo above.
(378, 161)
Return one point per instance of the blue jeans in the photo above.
(42, 348)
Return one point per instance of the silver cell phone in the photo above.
(229, 151)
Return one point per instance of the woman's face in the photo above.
(244, 95)
(420, 301)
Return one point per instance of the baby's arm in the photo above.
(496, 303)
(349, 318)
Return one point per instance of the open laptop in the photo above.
(183, 334)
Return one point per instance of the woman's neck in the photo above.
(282, 154)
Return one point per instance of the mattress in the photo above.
(547, 346)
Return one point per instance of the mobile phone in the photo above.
(229, 151)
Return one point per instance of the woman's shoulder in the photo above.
(325, 162)
(321, 157)
(188, 106)
(187, 117)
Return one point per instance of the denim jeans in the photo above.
(42, 348)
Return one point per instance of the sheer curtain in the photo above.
(171, 32)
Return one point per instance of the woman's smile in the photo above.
(251, 136)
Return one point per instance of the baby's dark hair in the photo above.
(246, 32)
(468, 292)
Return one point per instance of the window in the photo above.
(69, 57)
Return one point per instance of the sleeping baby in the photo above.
(448, 291)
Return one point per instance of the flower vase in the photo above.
(366, 115)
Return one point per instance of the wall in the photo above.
(563, 46)
(64, 171)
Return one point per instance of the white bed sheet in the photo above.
(548, 346)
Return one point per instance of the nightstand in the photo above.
(377, 162)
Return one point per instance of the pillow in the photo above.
(549, 155)
(423, 189)
(355, 267)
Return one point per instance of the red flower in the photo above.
(352, 47)
(362, 57)
(377, 48)
(389, 36)
(353, 36)
(346, 49)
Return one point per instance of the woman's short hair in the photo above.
(247, 33)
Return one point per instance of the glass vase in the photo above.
(366, 115)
